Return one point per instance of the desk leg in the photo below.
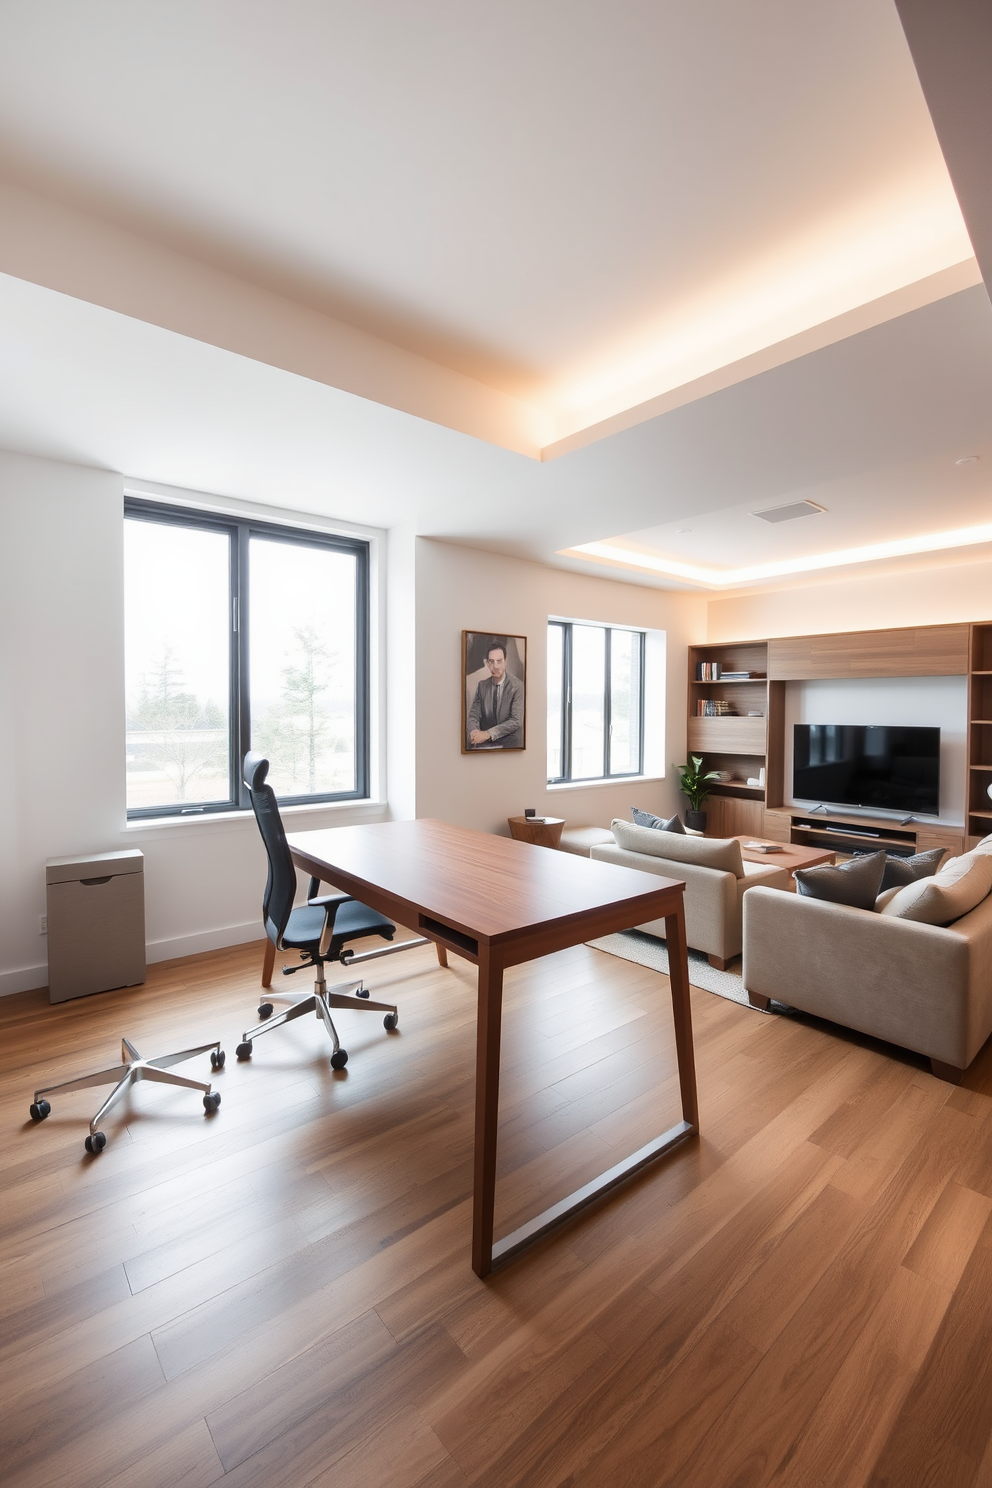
(678, 973)
(486, 1109)
(442, 955)
(268, 961)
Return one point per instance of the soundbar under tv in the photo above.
(878, 766)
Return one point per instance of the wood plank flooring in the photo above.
(280, 1295)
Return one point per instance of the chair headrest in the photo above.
(256, 767)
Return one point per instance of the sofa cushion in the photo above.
(985, 846)
(723, 853)
(956, 889)
(899, 871)
(657, 823)
(855, 883)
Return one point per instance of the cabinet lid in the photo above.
(94, 865)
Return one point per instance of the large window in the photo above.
(240, 635)
(595, 702)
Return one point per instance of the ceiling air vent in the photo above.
(789, 513)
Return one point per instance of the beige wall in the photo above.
(465, 589)
(938, 594)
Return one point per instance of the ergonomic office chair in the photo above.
(123, 1076)
(319, 930)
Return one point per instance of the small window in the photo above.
(595, 702)
(238, 636)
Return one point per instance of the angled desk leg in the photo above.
(486, 1108)
(268, 961)
(678, 975)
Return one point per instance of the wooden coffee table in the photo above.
(792, 856)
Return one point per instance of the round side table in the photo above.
(543, 831)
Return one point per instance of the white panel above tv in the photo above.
(914, 702)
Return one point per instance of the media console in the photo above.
(849, 834)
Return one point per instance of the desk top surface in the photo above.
(489, 887)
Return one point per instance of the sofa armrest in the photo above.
(921, 986)
(712, 908)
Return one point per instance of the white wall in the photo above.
(924, 702)
(466, 589)
(62, 711)
(939, 593)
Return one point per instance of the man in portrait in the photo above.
(496, 717)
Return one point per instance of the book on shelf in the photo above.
(714, 708)
(741, 676)
(707, 671)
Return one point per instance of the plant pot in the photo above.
(696, 820)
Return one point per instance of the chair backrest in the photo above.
(280, 887)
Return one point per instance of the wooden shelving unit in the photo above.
(735, 743)
(742, 745)
(978, 822)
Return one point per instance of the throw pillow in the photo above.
(899, 871)
(723, 853)
(956, 889)
(855, 883)
(659, 823)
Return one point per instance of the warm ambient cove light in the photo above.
(609, 552)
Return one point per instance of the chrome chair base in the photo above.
(122, 1076)
(320, 1002)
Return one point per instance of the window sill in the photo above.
(615, 781)
(155, 823)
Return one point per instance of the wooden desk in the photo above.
(498, 903)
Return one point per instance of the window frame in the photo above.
(240, 531)
(565, 741)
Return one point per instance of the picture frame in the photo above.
(494, 692)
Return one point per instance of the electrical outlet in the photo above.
(42, 924)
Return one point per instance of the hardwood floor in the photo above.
(281, 1295)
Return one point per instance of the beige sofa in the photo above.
(716, 882)
(924, 987)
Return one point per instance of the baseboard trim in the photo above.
(204, 940)
(27, 979)
(33, 978)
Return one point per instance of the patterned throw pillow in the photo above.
(648, 819)
(899, 871)
(855, 883)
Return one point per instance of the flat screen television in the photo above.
(855, 764)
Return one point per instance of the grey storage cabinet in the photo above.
(96, 923)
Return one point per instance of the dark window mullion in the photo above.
(566, 703)
(607, 703)
(362, 676)
(241, 701)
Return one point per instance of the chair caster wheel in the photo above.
(95, 1142)
(363, 992)
(243, 1051)
(264, 1010)
(211, 1102)
(39, 1110)
(218, 1059)
(339, 1059)
(391, 1021)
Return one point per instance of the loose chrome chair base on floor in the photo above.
(128, 1073)
(319, 1002)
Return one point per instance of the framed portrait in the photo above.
(494, 691)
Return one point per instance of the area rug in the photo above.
(647, 950)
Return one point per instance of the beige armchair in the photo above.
(715, 876)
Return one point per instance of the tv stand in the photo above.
(845, 833)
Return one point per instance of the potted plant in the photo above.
(694, 785)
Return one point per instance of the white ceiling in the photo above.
(578, 215)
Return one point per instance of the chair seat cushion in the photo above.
(352, 920)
